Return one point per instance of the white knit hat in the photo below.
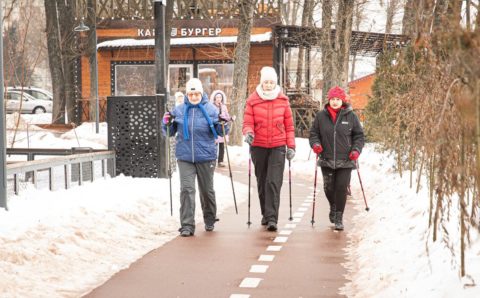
(194, 85)
(268, 74)
(179, 94)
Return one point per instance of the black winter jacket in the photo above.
(337, 139)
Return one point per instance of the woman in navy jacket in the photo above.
(196, 126)
(336, 136)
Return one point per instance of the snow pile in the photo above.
(391, 252)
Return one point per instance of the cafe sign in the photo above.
(182, 32)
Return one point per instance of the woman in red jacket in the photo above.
(269, 130)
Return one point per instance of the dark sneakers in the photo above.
(264, 221)
(209, 228)
(331, 214)
(272, 226)
(339, 220)
(186, 233)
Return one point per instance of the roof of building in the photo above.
(362, 43)
(361, 78)
(134, 43)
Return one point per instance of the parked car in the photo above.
(38, 93)
(29, 104)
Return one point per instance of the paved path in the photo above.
(239, 261)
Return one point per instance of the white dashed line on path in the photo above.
(274, 248)
(285, 232)
(250, 282)
(266, 258)
(280, 239)
(258, 268)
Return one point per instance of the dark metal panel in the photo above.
(133, 132)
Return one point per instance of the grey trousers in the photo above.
(269, 166)
(204, 171)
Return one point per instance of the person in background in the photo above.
(196, 126)
(336, 136)
(269, 130)
(179, 98)
(219, 99)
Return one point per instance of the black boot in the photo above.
(339, 220)
(331, 215)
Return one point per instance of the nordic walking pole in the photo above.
(249, 183)
(314, 190)
(290, 188)
(229, 167)
(169, 164)
(361, 186)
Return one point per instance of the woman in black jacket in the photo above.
(336, 136)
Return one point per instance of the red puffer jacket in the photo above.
(270, 121)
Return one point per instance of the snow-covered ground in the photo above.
(66, 242)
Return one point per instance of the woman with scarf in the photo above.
(336, 136)
(269, 130)
(196, 125)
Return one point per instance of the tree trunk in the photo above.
(68, 43)
(392, 8)
(467, 15)
(240, 70)
(326, 45)
(343, 34)
(455, 12)
(409, 19)
(439, 15)
(53, 44)
(92, 58)
(477, 20)
(306, 22)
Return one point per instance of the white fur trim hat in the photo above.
(179, 94)
(268, 74)
(194, 85)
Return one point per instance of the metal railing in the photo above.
(33, 166)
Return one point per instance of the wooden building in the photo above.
(202, 43)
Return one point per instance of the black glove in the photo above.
(249, 138)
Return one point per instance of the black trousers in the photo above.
(221, 151)
(335, 183)
(269, 164)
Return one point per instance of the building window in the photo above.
(216, 77)
(134, 79)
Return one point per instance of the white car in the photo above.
(21, 102)
(38, 93)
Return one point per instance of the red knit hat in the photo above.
(338, 93)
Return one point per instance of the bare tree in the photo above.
(68, 45)
(358, 17)
(54, 56)
(392, 9)
(327, 49)
(343, 34)
(240, 70)
(307, 21)
(409, 18)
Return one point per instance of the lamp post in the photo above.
(161, 77)
(94, 73)
(3, 169)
